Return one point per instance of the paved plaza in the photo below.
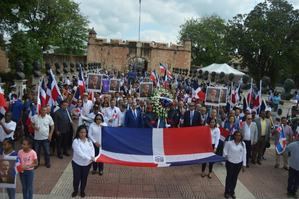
(258, 181)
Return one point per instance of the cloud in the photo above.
(160, 19)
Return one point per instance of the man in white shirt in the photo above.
(7, 128)
(43, 130)
(250, 135)
(87, 105)
(112, 115)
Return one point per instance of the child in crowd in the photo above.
(28, 160)
(8, 151)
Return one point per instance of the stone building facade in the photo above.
(121, 55)
(3, 62)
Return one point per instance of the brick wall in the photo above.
(116, 54)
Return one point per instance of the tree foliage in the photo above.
(207, 36)
(267, 39)
(25, 48)
(47, 24)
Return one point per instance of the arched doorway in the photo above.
(138, 64)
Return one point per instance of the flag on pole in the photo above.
(53, 93)
(250, 93)
(157, 147)
(199, 94)
(3, 103)
(81, 82)
(235, 98)
(162, 68)
(153, 76)
(257, 101)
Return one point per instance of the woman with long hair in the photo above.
(95, 135)
(83, 156)
(215, 135)
(235, 153)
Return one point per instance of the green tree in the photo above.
(267, 39)
(25, 48)
(206, 34)
(46, 23)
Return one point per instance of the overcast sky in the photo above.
(160, 19)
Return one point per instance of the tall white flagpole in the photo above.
(139, 20)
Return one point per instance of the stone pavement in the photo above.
(258, 181)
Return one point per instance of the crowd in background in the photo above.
(54, 129)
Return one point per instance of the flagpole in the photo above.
(139, 20)
(250, 96)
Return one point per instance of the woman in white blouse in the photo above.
(95, 135)
(235, 153)
(215, 135)
(83, 156)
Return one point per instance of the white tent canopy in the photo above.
(219, 68)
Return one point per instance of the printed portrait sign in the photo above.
(216, 96)
(114, 85)
(223, 96)
(146, 89)
(94, 82)
(105, 85)
(8, 172)
(212, 96)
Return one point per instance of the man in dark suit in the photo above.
(133, 117)
(192, 117)
(63, 129)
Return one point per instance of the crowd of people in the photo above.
(77, 124)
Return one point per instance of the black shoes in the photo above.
(74, 194)
(66, 154)
(82, 195)
(226, 195)
(48, 166)
(101, 173)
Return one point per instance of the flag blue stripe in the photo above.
(214, 158)
(134, 141)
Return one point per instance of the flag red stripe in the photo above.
(197, 138)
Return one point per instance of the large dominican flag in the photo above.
(157, 147)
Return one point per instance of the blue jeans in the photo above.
(27, 183)
(45, 144)
(11, 193)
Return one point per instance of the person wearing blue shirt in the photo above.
(16, 109)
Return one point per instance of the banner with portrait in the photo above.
(8, 172)
(114, 85)
(146, 89)
(105, 85)
(94, 82)
(216, 96)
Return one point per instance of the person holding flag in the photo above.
(283, 135)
